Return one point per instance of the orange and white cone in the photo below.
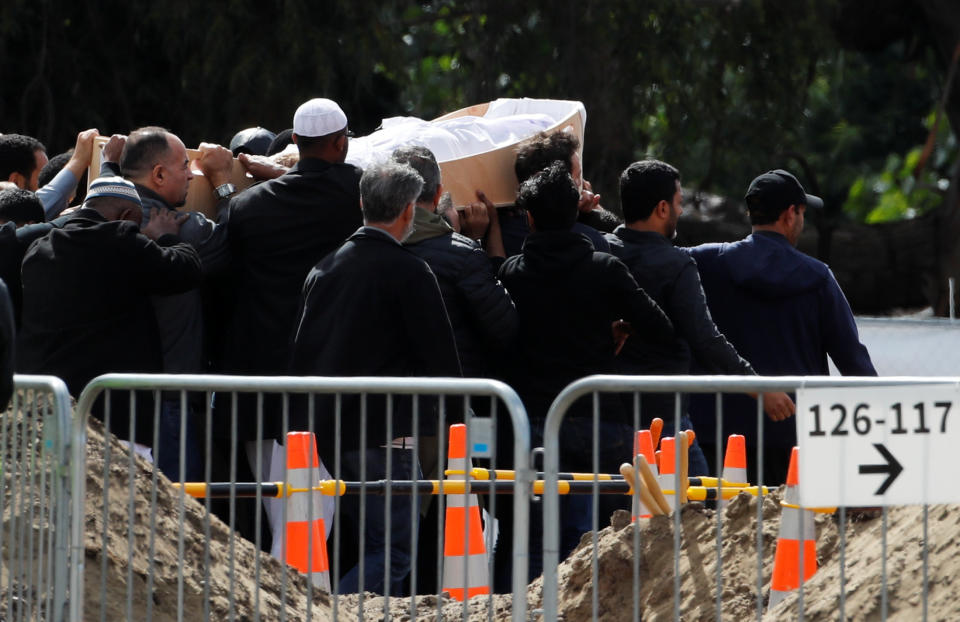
(734, 463)
(306, 545)
(464, 551)
(796, 542)
(642, 450)
(668, 469)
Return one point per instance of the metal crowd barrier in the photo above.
(34, 461)
(636, 387)
(225, 569)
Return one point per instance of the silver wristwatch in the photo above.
(224, 190)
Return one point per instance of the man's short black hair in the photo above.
(20, 206)
(17, 154)
(53, 166)
(551, 197)
(145, 147)
(540, 151)
(643, 185)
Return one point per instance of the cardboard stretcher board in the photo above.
(492, 171)
(200, 197)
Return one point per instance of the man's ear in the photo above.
(788, 216)
(156, 174)
(533, 226)
(18, 179)
(437, 195)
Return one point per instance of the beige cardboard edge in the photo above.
(492, 171)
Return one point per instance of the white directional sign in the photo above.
(868, 446)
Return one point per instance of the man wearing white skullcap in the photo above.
(277, 231)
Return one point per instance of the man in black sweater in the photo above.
(568, 297)
(373, 308)
(651, 198)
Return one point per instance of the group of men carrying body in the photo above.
(328, 270)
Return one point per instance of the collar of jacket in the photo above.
(149, 198)
(310, 165)
(376, 233)
(553, 251)
(427, 225)
(773, 236)
(640, 237)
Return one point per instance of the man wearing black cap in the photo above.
(781, 309)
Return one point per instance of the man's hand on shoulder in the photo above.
(163, 222)
(215, 163)
(82, 152)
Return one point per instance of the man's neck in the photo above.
(646, 225)
(427, 205)
(391, 229)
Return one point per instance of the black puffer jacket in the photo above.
(481, 312)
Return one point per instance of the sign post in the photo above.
(874, 446)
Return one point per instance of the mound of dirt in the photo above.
(282, 592)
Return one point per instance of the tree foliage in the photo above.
(723, 89)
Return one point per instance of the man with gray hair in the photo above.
(373, 308)
(481, 312)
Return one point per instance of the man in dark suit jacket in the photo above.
(277, 231)
(87, 288)
(373, 308)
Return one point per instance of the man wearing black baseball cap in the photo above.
(781, 309)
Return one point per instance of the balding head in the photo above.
(157, 159)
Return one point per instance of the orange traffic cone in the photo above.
(642, 450)
(668, 468)
(464, 552)
(306, 545)
(734, 463)
(796, 527)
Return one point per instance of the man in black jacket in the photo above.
(568, 297)
(651, 199)
(483, 317)
(156, 161)
(277, 231)
(373, 308)
(87, 288)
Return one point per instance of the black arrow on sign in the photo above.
(892, 467)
